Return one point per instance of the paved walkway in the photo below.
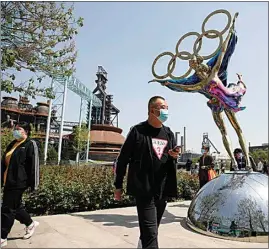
(116, 228)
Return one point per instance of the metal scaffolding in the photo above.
(73, 84)
(60, 86)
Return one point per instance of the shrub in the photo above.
(188, 185)
(66, 189)
(6, 139)
(52, 154)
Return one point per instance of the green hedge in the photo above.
(66, 189)
(188, 185)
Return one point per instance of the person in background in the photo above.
(151, 152)
(241, 161)
(188, 166)
(265, 167)
(222, 167)
(260, 166)
(217, 167)
(233, 228)
(193, 169)
(206, 162)
(19, 171)
(196, 171)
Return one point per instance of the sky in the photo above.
(125, 38)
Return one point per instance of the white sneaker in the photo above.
(139, 245)
(29, 231)
(3, 242)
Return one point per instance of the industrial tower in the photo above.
(107, 114)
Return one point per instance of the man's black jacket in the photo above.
(23, 169)
(138, 153)
(242, 163)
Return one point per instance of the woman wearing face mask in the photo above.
(19, 171)
(206, 162)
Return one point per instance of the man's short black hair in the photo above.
(26, 126)
(153, 100)
(237, 150)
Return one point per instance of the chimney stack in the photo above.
(182, 144)
(185, 147)
(177, 134)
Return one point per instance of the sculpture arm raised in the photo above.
(224, 46)
(180, 86)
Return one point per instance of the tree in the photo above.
(195, 160)
(249, 212)
(6, 139)
(260, 154)
(210, 204)
(36, 37)
(52, 156)
(80, 139)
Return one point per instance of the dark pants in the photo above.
(150, 212)
(203, 177)
(202, 182)
(12, 209)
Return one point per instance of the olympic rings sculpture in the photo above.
(185, 55)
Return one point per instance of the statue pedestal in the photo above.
(232, 206)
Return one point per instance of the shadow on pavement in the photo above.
(169, 218)
(128, 221)
(15, 238)
(131, 221)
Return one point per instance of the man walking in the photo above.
(151, 152)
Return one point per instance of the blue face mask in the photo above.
(203, 151)
(17, 135)
(163, 115)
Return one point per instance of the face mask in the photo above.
(163, 115)
(203, 151)
(17, 134)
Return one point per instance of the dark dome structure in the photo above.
(232, 206)
(106, 142)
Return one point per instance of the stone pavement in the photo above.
(116, 228)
